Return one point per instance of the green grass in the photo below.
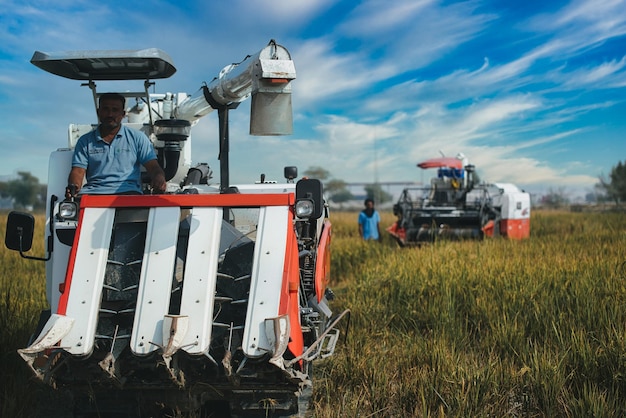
(533, 328)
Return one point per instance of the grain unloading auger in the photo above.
(208, 296)
(453, 206)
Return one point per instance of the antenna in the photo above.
(376, 198)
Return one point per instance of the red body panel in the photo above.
(515, 228)
(65, 291)
(488, 228)
(322, 266)
(187, 200)
(289, 301)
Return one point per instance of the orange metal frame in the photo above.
(165, 200)
(187, 200)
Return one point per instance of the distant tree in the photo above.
(615, 186)
(375, 191)
(26, 191)
(597, 195)
(555, 198)
(4, 189)
(342, 196)
(338, 191)
(42, 194)
(317, 173)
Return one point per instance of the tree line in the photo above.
(615, 186)
(337, 190)
(26, 192)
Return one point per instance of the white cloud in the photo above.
(604, 74)
(324, 75)
(280, 10)
(412, 34)
(390, 84)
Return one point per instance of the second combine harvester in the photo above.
(453, 206)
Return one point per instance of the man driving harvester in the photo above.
(110, 157)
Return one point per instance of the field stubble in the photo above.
(495, 328)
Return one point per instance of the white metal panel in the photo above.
(85, 291)
(267, 277)
(155, 283)
(56, 267)
(516, 206)
(59, 166)
(261, 188)
(200, 278)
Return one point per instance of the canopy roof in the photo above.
(449, 162)
(143, 64)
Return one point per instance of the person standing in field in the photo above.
(369, 222)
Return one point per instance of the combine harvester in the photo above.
(205, 298)
(454, 207)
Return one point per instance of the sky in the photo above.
(532, 93)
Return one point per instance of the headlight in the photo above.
(68, 210)
(304, 208)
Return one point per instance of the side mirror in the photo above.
(20, 230)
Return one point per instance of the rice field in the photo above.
(474, 329)
(494, 328)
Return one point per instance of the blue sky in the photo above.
(532, 92)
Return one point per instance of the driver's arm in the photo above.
(157, 176)
(76, 177)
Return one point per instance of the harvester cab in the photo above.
(207, 294)
(455, 206)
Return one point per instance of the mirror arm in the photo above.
(20, 230)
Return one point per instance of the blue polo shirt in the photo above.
(370, 225)
(116, 167)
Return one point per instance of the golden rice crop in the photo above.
(489, 328)
(458, 329)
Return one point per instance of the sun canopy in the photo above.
(449, 162)
(143, 64)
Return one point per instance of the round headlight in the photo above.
(304, 208)
(68, 210)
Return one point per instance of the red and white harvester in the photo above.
(453, 206)
(208, 297)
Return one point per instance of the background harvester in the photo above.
(453, 206)
(205, 295)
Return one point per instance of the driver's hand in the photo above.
(159, 185)
(71, 191)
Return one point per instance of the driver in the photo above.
(110, 157)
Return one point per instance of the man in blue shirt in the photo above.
(369, 220)
(110, 157)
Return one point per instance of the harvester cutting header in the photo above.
(454, 206)
(205, 295)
